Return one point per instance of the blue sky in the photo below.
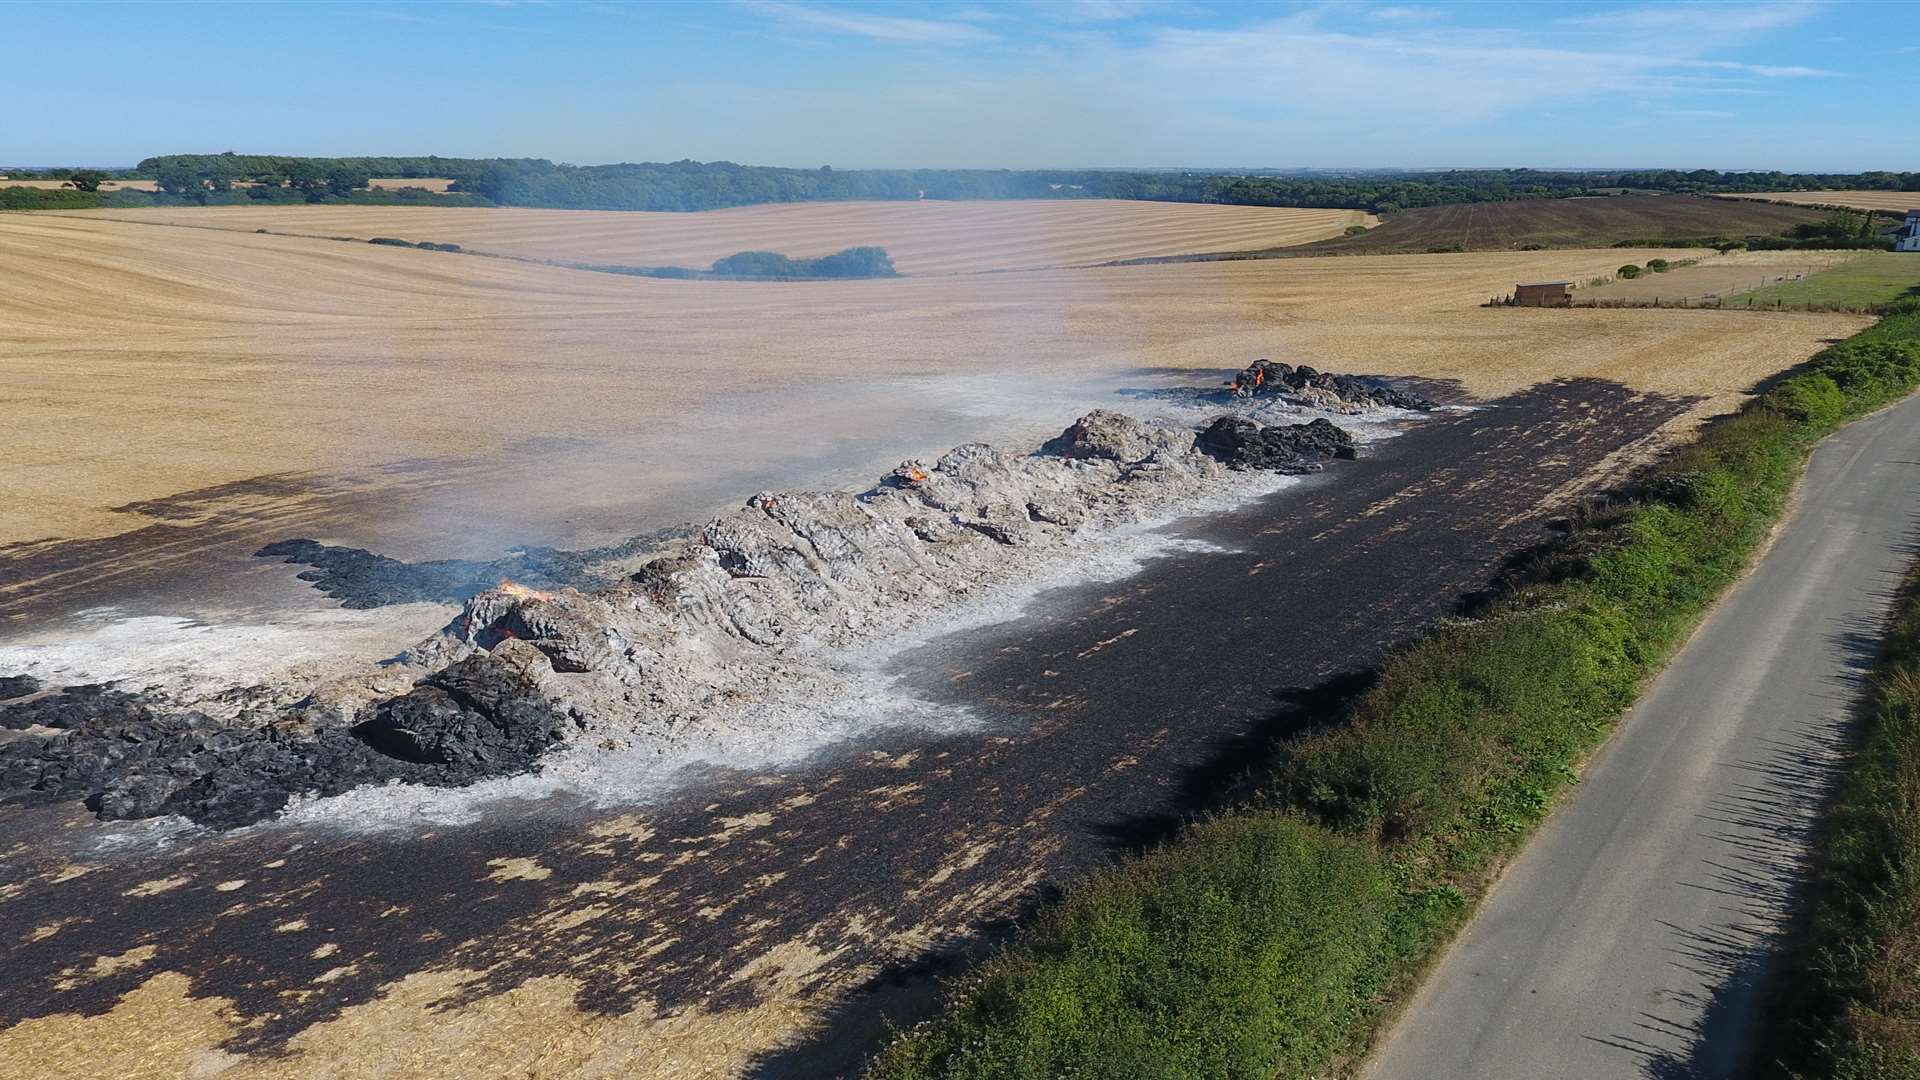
(1792, 84)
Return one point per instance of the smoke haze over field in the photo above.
(1791, 84)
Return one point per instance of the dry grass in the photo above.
(1719, 275)
(1897, 201)
(922, 237)
(145, 362)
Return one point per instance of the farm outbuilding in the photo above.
(1543, 294)
(1908, 238)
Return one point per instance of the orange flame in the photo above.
(916, 476)
(521, 592)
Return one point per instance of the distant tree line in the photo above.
(692, 185)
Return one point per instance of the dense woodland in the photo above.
(692, 185)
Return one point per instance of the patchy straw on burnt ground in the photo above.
(1438, 773)
(717, 926)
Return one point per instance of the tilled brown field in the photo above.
(1582, 222)
(931, 237)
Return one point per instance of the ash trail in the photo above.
(1110, 712)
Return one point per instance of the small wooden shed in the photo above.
(1543, 294)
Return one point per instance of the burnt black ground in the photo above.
(1114, 710)
(359, 578)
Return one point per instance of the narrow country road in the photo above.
(1632, 936)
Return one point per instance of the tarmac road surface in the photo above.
(1632, 936)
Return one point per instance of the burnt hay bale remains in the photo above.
(1341, 393)
(129, 757)
(1293, 448)
(17, 686)
(636, 641)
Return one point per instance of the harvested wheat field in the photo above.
(430, 183)
(161, 377)
(1898, 202)
(154, 362)
(105, 185)
(923, 237)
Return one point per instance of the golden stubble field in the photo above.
(105, 185)
(931, 237)
(1897, 201)
(147, 361)
(430, 183)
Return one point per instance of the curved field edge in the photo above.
(924, 238)
(1856, 1013)
(1277, 937)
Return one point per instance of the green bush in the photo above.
(1195, 959)
(27, 198)
(1815, 400)
(1658, 266)
(1628, 271)
(1245, 949)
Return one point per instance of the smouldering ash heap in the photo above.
(761, 607)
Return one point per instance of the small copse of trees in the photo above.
(855, 262)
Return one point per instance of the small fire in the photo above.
(521, 592)
(916, 476)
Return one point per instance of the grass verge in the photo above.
(1273, 939)
(1857, 1013)
(1879, 277)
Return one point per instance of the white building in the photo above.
(1908, 238)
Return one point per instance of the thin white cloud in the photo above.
(1406, 15)
(1097, 10)
(1770, 71)
(1718, 19)
(878, 27)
